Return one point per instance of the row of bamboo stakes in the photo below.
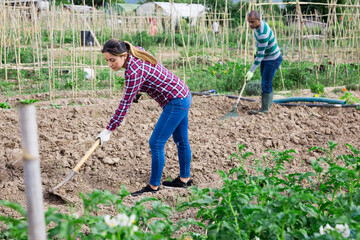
(24, 29)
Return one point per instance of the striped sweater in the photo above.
(267, 48)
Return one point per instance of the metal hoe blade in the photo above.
(68, 177)
(77, 167)
(230, 114)
(233, 112)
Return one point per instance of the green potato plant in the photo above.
(28, 101)
(266, 203)
(5, 105)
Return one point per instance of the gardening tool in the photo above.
(233, 112)
(78, 166)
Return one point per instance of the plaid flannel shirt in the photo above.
(157, 81)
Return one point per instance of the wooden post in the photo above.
(34, 197)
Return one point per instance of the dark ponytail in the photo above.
(115, 47)
(119, 48)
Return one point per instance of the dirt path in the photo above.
(66, 133)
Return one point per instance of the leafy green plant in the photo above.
(266, 203)
(136, 222)
(57, 106)
(28, 101)
(321, 204)
(5, 105)
(350, 99)
(18, 226)
(317, 88)
(224, 77)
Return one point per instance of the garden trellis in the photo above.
(42, 51)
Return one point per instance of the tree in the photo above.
(310, 8)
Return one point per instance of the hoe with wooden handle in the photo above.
(233, 112)
(78, 166)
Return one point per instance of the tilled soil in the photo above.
(65, 134)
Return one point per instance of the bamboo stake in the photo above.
(172, 34)
(185, 48)
(301, 43)
(33, 19)
(223, 32)
(91, 75)
(49, 71)
(275, 32)
(62, 42)
(247, 31)
(357, 16)
(241, 37)
(313, 54)
(4, 44)
(17, 52)
(329, 35)
(215, 43)
(184, 78)
(335, 41)
(95, 72)
(73, 54)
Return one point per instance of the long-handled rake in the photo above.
(233, 112)
(77, 167)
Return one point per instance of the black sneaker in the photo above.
(144, 190)
(177, 183)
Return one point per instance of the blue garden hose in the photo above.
(310, 99)
(286, 101)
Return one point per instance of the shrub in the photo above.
(352, 87)
(5, 86)
(338, 90)
(26, 56)
(316, 88)
(142, 39)
(253, 88)
(292, 78)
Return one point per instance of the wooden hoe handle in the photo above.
(87, 155)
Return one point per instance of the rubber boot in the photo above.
(266, 101)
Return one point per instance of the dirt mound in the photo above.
(65, 134)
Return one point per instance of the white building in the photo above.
(41, 5)
(174, 10)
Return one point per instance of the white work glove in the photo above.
(104, 136)
(249, 75)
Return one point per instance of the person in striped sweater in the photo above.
(268, 57)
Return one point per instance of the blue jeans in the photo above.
(268, 70)
(173, 121)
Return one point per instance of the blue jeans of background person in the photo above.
(268, 70)
(173, 121)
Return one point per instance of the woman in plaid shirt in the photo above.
(143, 73)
